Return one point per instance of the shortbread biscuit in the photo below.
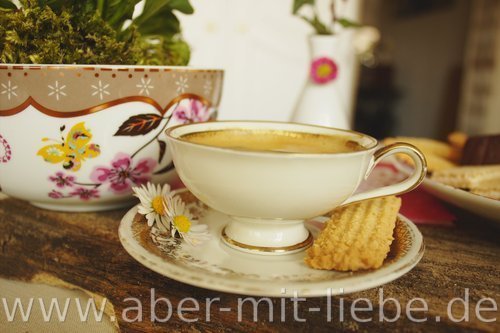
(483, 177)
(434, 162)
(356, 237)
(492, 194)
(427, 146)
(457, 139)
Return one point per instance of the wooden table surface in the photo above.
(84, 250)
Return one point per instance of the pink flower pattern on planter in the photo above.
(323, 70)
(5, 150)
(61, 180)
(56, 194)
(196, 112)
(85, 193)
(126, 171)
(123, 174)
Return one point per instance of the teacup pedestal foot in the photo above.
(266, 236)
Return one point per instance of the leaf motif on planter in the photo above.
(165, 169)
(139, 125)
(163, 149)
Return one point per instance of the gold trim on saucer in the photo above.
(268, 249)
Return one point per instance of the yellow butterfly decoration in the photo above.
(72, 151)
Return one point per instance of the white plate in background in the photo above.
(483, 206)
(475, 203)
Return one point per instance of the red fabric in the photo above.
(422, 208)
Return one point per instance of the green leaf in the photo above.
(55, 5)
(7, 5)
(102, 6)
(297, 4)
(116, 12)
(151, 9)
(319, 27)
(158, 18)
(160, 7)
(182, 5)
(165, 25)
(346, 23)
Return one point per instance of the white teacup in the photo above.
(269, 195)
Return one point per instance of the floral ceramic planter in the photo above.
(77, 138)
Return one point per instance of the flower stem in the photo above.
(158, 134)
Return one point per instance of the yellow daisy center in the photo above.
(157, 204)
(324, 70)
(182, 223)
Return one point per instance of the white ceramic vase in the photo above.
(326, 95)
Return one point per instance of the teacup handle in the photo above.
(406, 185)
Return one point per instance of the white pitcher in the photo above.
(326, 97)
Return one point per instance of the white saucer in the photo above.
(215, 266)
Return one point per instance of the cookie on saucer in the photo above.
(357, 236)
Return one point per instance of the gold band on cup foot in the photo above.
(267, 250)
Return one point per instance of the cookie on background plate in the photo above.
(429, 146)
(483, 177)
(492, 193)
(439, 155)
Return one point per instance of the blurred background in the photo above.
(434, 69)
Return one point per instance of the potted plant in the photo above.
(86, 91)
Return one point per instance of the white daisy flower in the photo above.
(183, 223)
(153, 205)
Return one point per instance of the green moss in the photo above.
(159, 50)
(77, 34)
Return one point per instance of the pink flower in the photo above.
(323, 70)
(85, 194)
(195, 113)
(5, 150)
(62, 180)
(55, 194)
(122, 174)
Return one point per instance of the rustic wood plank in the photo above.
(84, 250)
